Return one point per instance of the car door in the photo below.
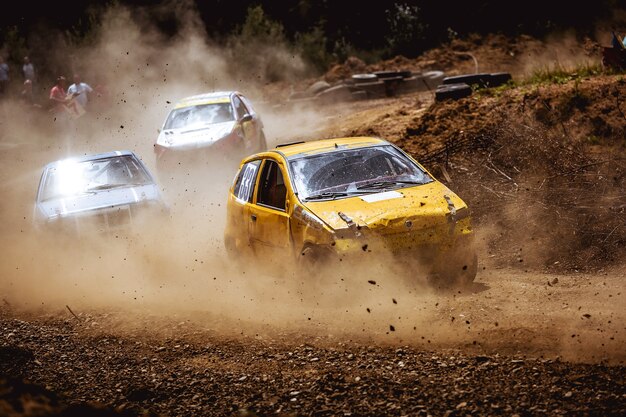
(239, 204)
(248, 127)
(269, 218)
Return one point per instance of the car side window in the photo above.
(244, 183)
(240, 108)
(272, 190)
(248, 105)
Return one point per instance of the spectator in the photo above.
(58, 96)
(4, 77)
(28, 69)
(80, 90)
(26, 95)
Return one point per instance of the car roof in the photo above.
(84, 158)
(206, 98)
(325, 145)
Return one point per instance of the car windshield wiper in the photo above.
(327, 195)
(331, 195)
(388, 183)
(107, 187)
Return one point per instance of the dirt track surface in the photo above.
(515, 343)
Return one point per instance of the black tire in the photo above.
(499, 78)
(374, 90)
(481, 80)
(455, 275)
(468, 272)
(452, 92)
(432, 79)
(392, 74)
(336, 94)
(317, 87)
(411, 84)
(310, 258)
(364, 78)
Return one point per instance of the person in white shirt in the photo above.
(28, 69)
(80, 90)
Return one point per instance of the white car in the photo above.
(102, 193)
(220, 123)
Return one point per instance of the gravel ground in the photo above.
(213, 375)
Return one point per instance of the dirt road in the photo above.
(517, 343)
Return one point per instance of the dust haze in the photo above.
(178, 270)
(173, 267)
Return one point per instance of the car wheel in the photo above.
(452, 91)
(310, 259)
(454, 274)
(468, 272)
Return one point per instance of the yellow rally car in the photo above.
(339, 198)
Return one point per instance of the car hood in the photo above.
(194, 137)
(423, 205)
(62, 207)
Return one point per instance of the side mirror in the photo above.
(246, 118)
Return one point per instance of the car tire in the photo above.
(455, 275)
(468, 272)
(310, 258)
(452, 91)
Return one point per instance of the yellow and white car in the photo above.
(221, 123)
(337, 198)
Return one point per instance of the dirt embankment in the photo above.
(520, 56)
(543, 166)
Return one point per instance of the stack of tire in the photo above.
(390, 83)
(461, 86)
(373, 85)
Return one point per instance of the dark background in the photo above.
(365, 25)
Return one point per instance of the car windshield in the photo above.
(200, 115)
(70, 178)
(348, 172)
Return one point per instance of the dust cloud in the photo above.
(176, 270)
(562, 51)
(178, 265)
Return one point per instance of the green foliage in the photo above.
(312, 47)
(258, 28)
(259, 48)
(15, 45)
(406, 30)
(86, 30)
(561, 75)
